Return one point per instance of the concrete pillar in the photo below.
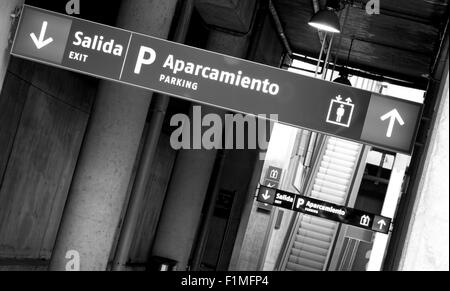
(160, 105)
(100, 183)
(190, 180)
(6, 9)
(234, 15)
(426, 247)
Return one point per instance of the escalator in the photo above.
(311, 239)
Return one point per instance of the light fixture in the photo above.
(343, 78)
(343, 74)
(327, 20)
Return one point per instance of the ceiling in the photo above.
(401, 42)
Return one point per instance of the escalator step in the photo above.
(305, 262)
(310, 248)
(314, 235)
(313, 242)
(317, 228)
(294, 267)
(327, 197)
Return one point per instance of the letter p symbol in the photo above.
(147, 56)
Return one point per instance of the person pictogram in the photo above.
(340, 113)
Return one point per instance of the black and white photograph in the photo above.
(224, 141)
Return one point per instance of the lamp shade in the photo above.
(343, 79)
(326, 20)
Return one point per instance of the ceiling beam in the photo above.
(378, 74)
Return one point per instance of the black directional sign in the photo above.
(267, 195)
(315, 207)
(217, 80)
(272, 180)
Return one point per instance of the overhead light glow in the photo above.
(326, 20)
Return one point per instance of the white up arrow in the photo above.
(382, 224)
(393, 116)
(40, 43)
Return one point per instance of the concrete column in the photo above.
(232, 15)
(161, 103)
(6, 9)
(190, 180)
(426, 247)
(100, 183)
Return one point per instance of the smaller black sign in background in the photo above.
(330, 211)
